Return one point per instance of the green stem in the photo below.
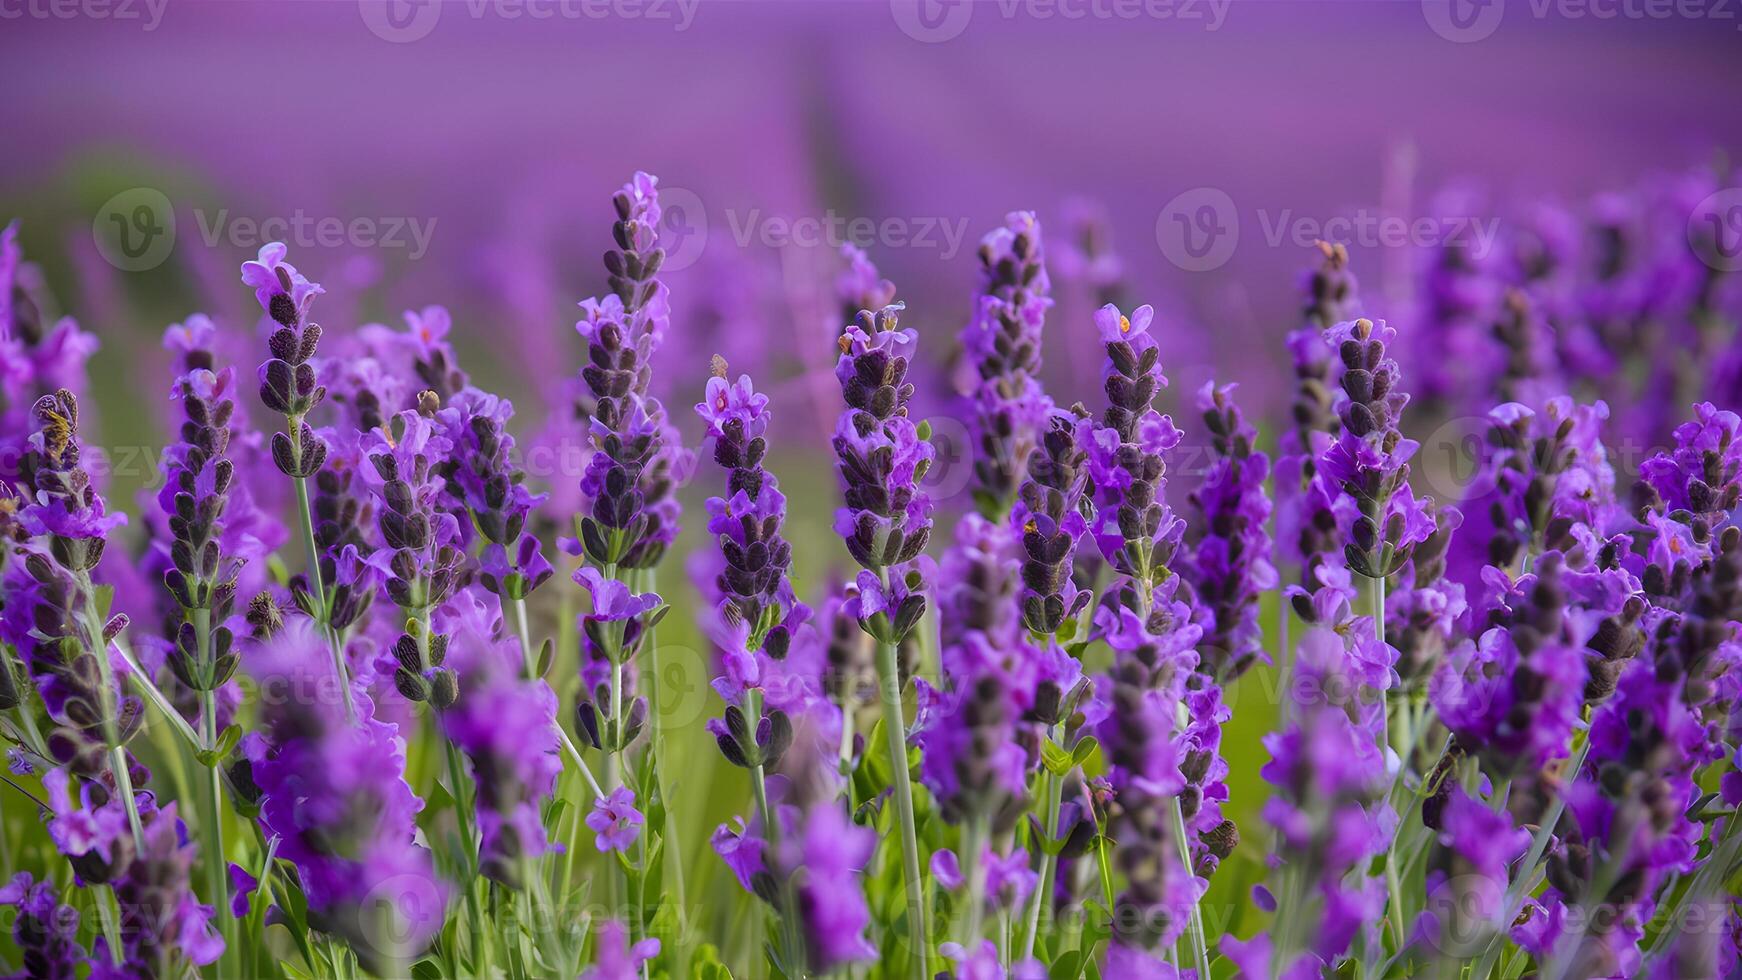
(214, 832)
(305, 520)
(1194, 928)
(1048, 863)
(791, 950)
(974, 870)
(1393, 881)
(1515, 894)
(889, 688)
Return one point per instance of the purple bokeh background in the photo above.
(509, 134)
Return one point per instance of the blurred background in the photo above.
(1177, 152)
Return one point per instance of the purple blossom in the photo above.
(45, 931)
(506, 726)
(1227, 552)
(614, 958)
(314, 772)
(614, 821)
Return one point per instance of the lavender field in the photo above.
(930, 488)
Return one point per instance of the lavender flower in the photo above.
(1306, 527)
(1513, 698)
(52, 608)
(162, 923)
(1002, 343)
(482, 476)
(289, 385)
(1148, 618)
(201, 575)
(36, 358)
(1049, 516)
(506, 726)
(335, 794)
(45, 931)
(753, 593)
(421, 560)
(1369, 461)
(881, 458)
(614, 958)
(1227, 547)
(614, 821)
(1328, 807)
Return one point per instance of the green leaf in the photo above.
(426, 970)
(1086, 748)
(1057, 761)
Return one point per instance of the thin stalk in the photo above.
(305, 519)
(214, 830)
(1393, 881)
(790, 952)
(124, 788)
(1194, 928)
(143, 684)
(463, 817)
(889, 688)
(1515, 894)
(670, 830)
(111, 710)
(974, 870)
(1048, 863)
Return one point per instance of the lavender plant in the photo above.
(1507, 742)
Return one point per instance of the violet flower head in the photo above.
(753, 591)
(1699, 483)
(506, 725)
(1049, 519)
(1002, 344)
(1368, 463)
(45, 931)
(1228, 554)
(201, 573)
(51, 598)
(614, 958)
(36, 358)
(316, 773)
(483, 478)
(882, 457)
(1513, 698)
(289, 384)
(614, 820)
(421, 558)
(162, 922)
(637, 461)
